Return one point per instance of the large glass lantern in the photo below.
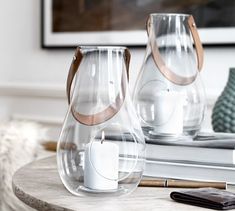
(169, 94)
(101, 150)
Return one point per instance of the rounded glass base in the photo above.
(188, 134)
(78, 189)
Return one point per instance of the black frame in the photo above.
(45, 45)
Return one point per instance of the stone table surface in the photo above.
(39, 186)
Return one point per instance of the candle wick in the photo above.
(102, 137)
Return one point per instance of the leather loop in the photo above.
(127, 56)
(197, 42)
(112, 109)
(158, 60)
(72, 71)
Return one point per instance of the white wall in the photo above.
(32, 80)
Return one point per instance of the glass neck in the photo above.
(169, 23)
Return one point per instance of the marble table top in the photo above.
(38, 185)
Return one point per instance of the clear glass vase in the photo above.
(169, 94)
(101, 149)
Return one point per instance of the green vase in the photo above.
(223, 114)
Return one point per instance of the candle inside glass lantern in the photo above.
(101, 165)
(168, 110)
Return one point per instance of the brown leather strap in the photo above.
(112, 109)
(197, 42)
(127, 56)
(72, 71)
(158, 60)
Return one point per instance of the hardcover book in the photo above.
(216, 148)
(190, 171)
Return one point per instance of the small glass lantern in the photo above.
(169, 94)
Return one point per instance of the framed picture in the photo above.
(69, 23)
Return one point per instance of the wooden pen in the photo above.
(170, 183)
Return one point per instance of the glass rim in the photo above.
(170, 14)
(102, 47)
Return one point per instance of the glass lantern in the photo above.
(101, 149)
(169, 94)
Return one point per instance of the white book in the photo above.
(189, 171)
(192, 154)
(217, 148)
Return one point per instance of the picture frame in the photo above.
(212, 36)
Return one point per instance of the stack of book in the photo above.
(209, 157)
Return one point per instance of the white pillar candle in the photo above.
(168, 112)
(101, 165)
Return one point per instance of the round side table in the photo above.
(38, 185)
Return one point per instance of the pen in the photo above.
(181, 183)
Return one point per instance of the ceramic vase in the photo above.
(223, 114)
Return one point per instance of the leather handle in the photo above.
(158, 60)
(108, 112)
(77, 58)
(127, 57)
(197, 42)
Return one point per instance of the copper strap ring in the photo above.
(108, 112)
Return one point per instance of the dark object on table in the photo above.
(223, 114)
(206, 197)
